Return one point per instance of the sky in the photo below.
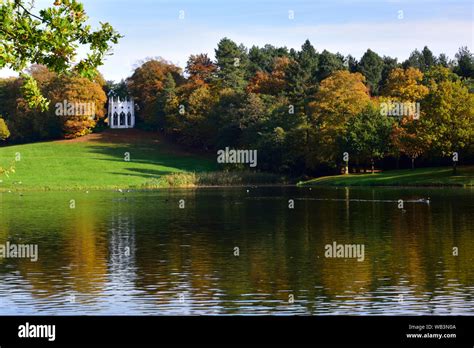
(156, 28)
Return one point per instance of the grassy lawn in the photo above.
(97, 162)
(441, 176)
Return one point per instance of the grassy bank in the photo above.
(97, 161)
(442, 176)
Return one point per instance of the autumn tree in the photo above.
(405, 85)
(341, 96)
(146, 85)
(273, 82)
(78, 103)
(408, 139)
(200, 69)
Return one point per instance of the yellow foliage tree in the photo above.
(341, 96)
(405, 85)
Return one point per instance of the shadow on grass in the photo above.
(152, 155)
(145, 173)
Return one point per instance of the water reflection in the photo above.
(139, 253)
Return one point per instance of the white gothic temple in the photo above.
(121, 113)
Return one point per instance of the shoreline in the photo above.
(420, 177)
(302, 186)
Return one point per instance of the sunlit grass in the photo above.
(101, 164)
(442, 176)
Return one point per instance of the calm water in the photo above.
(139, 253)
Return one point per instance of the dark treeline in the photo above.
(302, 110)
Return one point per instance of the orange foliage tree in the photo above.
(407, 139)
(78, 102)
(147, 87)
(270, 83)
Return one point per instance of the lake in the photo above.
(229, 251)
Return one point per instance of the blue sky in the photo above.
(153, 28)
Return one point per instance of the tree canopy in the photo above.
(51, 37)
(300, 108)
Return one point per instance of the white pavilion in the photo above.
(121, 113)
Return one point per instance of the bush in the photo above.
(4, 132)
(240, 178)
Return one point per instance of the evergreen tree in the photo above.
(371, 66)
(302, 72)
(352, 64)
(422, 61)
(389, 64)
(328, 63)
(232, 61)
(464, 63)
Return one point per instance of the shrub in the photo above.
(240, 178)
(4, 132)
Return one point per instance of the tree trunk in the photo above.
(346, 169)
(455, 167)
(413, 163)
(372, 164)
